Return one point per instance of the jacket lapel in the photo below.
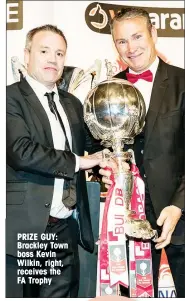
(122, 74)
(158, 92)
(34, 102)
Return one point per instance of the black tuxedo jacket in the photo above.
(33, 164)
(164, 142)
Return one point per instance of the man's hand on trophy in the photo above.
(106, 173)
(168, 219)
(89, 161)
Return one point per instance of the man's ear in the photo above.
(154, 34)
(26, 57)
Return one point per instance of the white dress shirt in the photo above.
(57, 208)
(144, 86)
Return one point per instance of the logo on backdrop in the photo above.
(169, 22)
(14, 10)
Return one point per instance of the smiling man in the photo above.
(135, 42)
(46, 188)
(160, 149)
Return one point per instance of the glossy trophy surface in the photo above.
(114, 111)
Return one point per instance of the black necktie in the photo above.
(69, 190)
(53, 109)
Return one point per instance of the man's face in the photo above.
(135, 43)
(45, 60)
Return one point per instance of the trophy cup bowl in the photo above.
(114, 109)
(114, 112)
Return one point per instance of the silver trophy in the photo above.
(115, 111)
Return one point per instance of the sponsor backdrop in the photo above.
(85, 24)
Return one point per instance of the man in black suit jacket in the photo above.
(46, 190)
(160, 149)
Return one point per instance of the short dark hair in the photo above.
(47, 27)
(131, 12)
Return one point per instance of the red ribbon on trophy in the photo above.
(113, 269)
(140, 256)
(112, 249)
(112, 264)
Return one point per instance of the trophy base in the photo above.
(140, 229)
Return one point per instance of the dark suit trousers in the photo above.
(64, 285)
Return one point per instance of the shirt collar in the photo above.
(153, 67)
(39, 88)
